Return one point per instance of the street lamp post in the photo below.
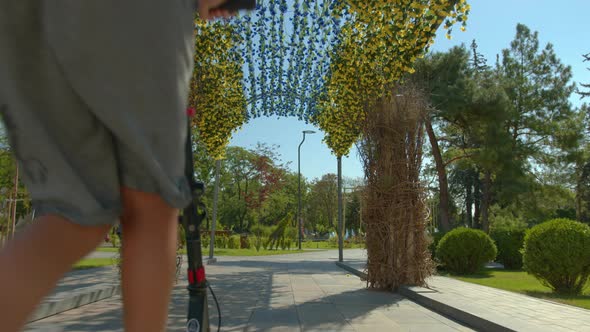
(300, 231)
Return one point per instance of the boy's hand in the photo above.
(207, 9)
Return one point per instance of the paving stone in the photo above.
(302, 292)
(269, 318)
(426, 328)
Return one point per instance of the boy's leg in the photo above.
(149, 246)
(33, 262)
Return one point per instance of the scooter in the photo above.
(191, 220)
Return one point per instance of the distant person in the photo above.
(93, 95)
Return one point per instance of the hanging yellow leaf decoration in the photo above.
(217, 93)
(378, 45)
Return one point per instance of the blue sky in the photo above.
(492, 23)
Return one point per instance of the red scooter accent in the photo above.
(201, 275)
(195, 277)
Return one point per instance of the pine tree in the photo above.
(586, 93)
(477, 61)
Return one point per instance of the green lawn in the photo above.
(107, 249)
(522, 282)
(248, 252)
(93, 262)
(232, 252)
(252, 252)
(327, 245)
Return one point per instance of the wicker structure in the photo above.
(394, 209)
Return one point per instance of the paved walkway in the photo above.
(303, 292)
(510, 310)
(102, 254)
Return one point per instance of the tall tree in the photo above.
(573, 168)
(353, 212)
(477, 62)
(586, 93)
(324, 193)
(444, 77)
(467, 122)
(538, 86)
(237, 183)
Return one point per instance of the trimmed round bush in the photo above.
(557, 252)
(435, 237)
(465, 250)
(509, 242)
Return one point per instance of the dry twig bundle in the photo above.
(394, 202)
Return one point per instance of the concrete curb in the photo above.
(70, 300)
(352, 270)
(417, 294)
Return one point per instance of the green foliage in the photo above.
(181, 236)
(321, 230)
(261, 234)
(257, 189)
(261, 230)
(506, 126)
(90, 263)
(557, 252)
(278, 236)
(465, 250)
(544, 202)
(353, 243)
(333, 241)
(291, 233)
(285, 244)
(505, 218)
(509, 241)
(583, 191)
(233, 242)
(322, 204)
(435, 237)
(585, 93)
(266, 243)
(245, 243)
(258, 241)
(352, 214)
(221, 241)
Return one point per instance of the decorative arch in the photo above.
(322, 61)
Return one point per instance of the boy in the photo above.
(93, 96)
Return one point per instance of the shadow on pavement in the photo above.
(286, 294)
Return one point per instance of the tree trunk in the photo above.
(477, 201)
(485, 204)
(579, 187)
(469, 202)
(443, 184)
(215, 207)
(340, 221)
